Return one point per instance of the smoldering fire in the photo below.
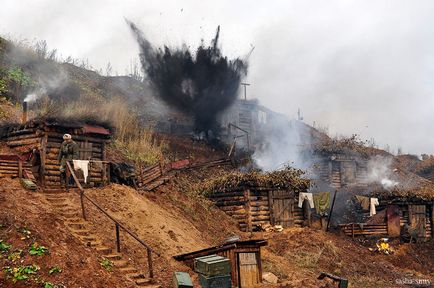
(200, 84)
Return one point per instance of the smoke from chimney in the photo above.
(200, 84)
(24, 115)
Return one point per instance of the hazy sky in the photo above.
(364, 67)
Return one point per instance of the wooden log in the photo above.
(14, 163)
(53, 136)
(9, 174)
(223, 199)
(260, 208)
(238, 217)
(52, 178)
(235, 214)
(261, 217)
(230, 203)
(24, 132)
(257, 222)
(24, 142)
(226, 194)
(22, 137)
(259, 203)
(232, 208)
(6, 168)
(52, 167)
(261, 213)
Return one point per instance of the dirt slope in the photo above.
(80, 265)
(298, 256)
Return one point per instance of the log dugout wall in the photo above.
(254, 206)
(46, 141)
(381, 229)
(341, 172)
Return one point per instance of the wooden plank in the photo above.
(417, 217)
(249, 271)
(248, 212)
(393, 221)
(43, 154)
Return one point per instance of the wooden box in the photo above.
(215, 281)
(182, 280)
(212, 265)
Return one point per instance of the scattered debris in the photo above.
(383, 247)
(269, 228)
(270, 278)
(342, 282)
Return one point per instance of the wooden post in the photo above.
(107, 167)
(352, 230)
(270, 206)
(82, 205)
(20, 169)
(118, 238)
(258, 260)
(248, 212)
(432, 221)
(151, 270)
(43, 155)
(331, 210)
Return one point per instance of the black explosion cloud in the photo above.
(201, 84)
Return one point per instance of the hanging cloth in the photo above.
(374, 202)
(364, 202)
(83, 165)
(307, 196)
(322, 203)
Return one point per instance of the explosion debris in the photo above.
(200, 84)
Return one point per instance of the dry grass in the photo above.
(136, 142)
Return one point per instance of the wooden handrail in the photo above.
(117, 223)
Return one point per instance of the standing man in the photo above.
(68, 151)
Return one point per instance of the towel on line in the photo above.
(374, 202)
(307, 196)
(84, 166)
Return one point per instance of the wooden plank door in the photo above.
(283, 208)
(85, 150)
(417, 217)
(248, 269)
(393, 221)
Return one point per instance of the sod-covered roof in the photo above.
(88, 125)
(287, 178)
(410, 187)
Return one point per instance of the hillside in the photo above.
(174, 218)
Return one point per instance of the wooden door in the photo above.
(248, 270)
(348, 172)
(283, 208)
(393, 221)
(417, 218)
(85, 150)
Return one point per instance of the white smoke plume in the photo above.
(282, 145)
(380, 172)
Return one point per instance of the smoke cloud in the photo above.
(283, 145)
(202, 84)
(380, 172)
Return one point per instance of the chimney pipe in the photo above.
(24, 116)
